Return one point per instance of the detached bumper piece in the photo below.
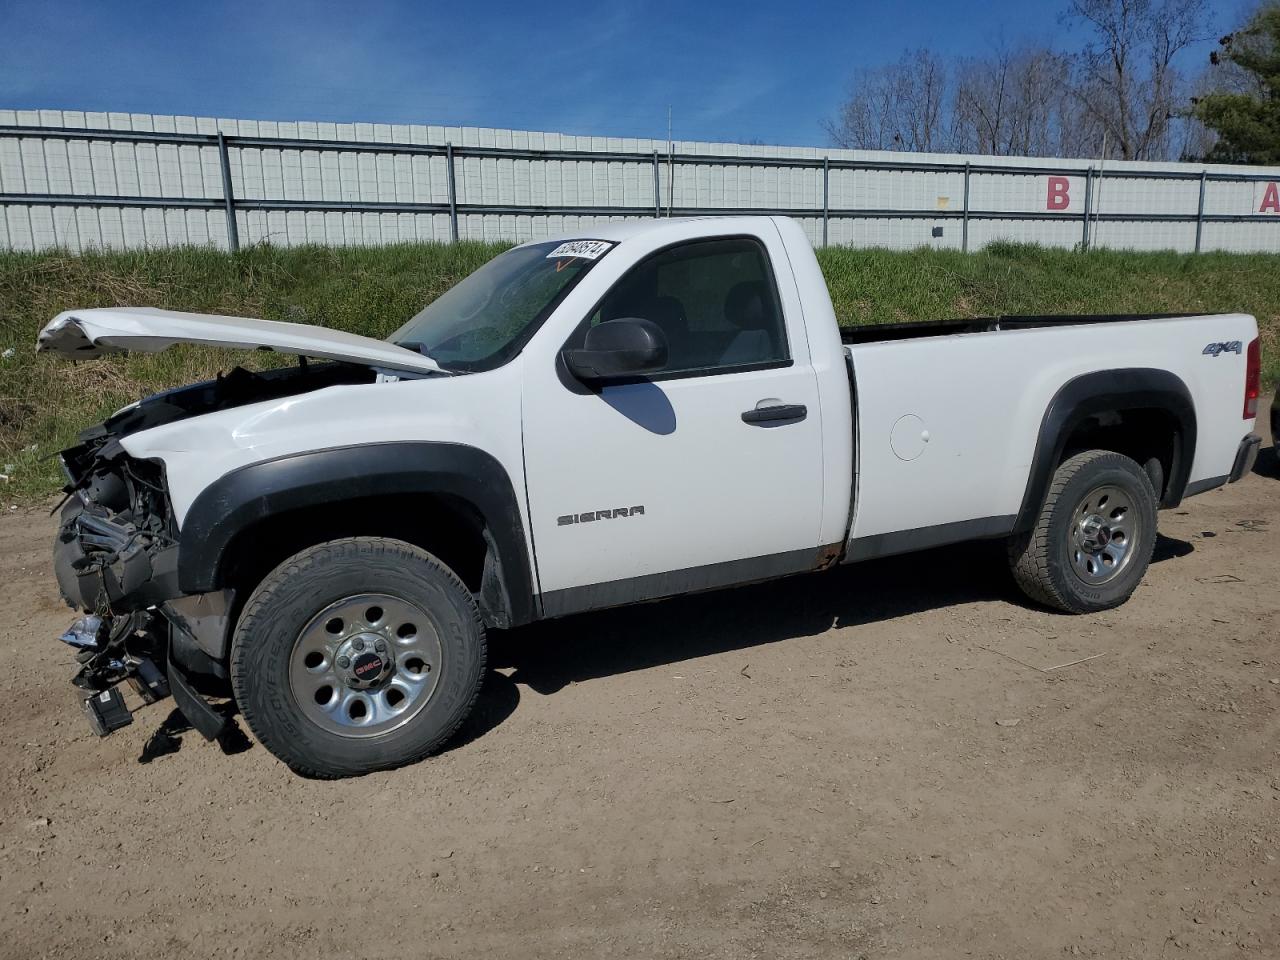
(124, 651)
(199, 713)
(1246, 456)
(106, 712)
(113, 651)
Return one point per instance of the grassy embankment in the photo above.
(44, 402)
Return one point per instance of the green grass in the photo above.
(44, 402)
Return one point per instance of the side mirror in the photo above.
(617, 349)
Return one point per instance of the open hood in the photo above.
(80, 334)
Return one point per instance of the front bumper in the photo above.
(116, 557)
(129, 578)
(1246, 456)
(105, 563)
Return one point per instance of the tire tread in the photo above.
(1030, 553)
(354, 549)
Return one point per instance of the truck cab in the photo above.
(738, 449)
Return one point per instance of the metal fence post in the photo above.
(657, 187)
(233, 232)
(826, 196)
(1088, 199)
(964, 222)
(671, 179)
(1204, 175)
(453, 193)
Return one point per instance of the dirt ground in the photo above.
(884, 761)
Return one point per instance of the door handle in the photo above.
(778, 415)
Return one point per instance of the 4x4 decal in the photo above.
(1228, 346)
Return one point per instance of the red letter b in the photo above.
(1059, 198)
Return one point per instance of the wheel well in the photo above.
(1150, 436)
(446, 527)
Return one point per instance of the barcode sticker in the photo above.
(586, 249)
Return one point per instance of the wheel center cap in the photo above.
(1093, 535)
(367, 666)
(363, 661)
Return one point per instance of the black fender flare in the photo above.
(249, 494)
(1103, 391)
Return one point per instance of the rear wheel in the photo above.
(1092, 541)
(357, 655)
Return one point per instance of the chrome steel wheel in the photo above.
(365, 665)
(1104, 532)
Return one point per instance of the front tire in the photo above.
(1092, 541)
(357, 655)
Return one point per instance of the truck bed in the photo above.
(948, 426)
(880, 332)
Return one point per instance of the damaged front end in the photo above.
(116, 559)
(116, 547)
(117, 551)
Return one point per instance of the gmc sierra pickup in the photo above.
(644, 410)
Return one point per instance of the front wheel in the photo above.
(357, 655)
(1092, 541)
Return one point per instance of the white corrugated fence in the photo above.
(78, 180)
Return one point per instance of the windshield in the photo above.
(486, 319)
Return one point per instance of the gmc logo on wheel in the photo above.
(1230, 346)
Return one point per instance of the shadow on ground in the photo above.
(1169, 548)
(547, 656)
(168, 737)
(1268, 464)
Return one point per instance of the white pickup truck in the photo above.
(644, 410)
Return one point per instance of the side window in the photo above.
(715, 300)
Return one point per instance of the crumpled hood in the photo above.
(81, 334)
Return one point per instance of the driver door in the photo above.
(688, 478)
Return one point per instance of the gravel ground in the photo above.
(884, 761)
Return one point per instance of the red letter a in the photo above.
(1270, 199)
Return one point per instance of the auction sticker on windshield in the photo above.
(586, 249)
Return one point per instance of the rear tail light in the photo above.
(1252, 378)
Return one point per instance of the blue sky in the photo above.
(730, 71)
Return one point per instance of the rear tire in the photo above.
(1092, 541)
(357, 655)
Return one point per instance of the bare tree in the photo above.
(902, 106)
(1012, 103)
(1018, 103)
(1126, 78)
(1194, 140)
